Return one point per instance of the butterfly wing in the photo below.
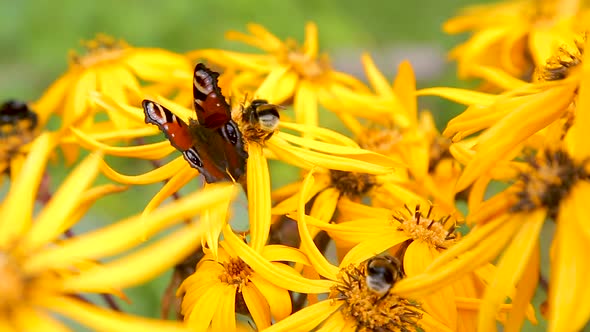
(212, 109)
(197, 154)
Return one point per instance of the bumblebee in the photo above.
(382, 273)
(260, 120)
(18, 124)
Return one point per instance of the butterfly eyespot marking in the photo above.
(193, 158)
(231, 133)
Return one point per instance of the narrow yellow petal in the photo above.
(77, 104)
(496, 76)
(278, 86)
(307, 318)
(372, 247)
(184, 176)
(317, 259)
(405, 88)
(279, 298)
(53, 98)
(257, 306)
(17, 208)
(376, 78)
(279, 276)
(139, 266)
(52, 220)
(322, 134)
(525, 291)
(161, 173)
(510, 267)
(324, 204)
(581, 127)
(224, 318)
(207, 305)
(306, 104)
(155, 65)
(90, 196)
(569, 298)
(125, 234)
(259, 202)
(147, 151)
(99, 319)
(278, 252)
(27, 318)
(270, 41)
(336, 322)
(310, 44)
(461, 96)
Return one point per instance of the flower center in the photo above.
(439, 150)
(383, 140)
(352, 184)
(548, 181)
(436, 232)
(372, 311)
(561, 64)
(236, 273)
(100, 50)
(12, 285)
(306, 66)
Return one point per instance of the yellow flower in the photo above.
(352, 304)
(113, 68)
(515, 37)
(554, 185)
(224, 284)
(41, 274)
(286, 72)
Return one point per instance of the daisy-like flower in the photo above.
(554, 185)
(516, 118)
(286, 72)
(353, 304)
(515, 37)
(18, 127)
(225, 285)
(42, 275)
(113, 68)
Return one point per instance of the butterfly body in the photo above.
(212, 143)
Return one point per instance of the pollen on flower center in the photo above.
(425, 228)
(305, 65)
(12, 283)
(100, 50)
(560, 65)
(382, 140)
(549, 179)
(352, 184)
(371, 311)
(236, 272)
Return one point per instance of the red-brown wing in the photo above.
(212, 109)
(199, 153)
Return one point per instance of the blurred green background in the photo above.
(36, 35)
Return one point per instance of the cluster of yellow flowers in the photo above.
(370, 238)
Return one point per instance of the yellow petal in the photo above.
(525, 291)
(161, 173)
(310, 44)
(78, 102)
(205, 308)
(511, 266)
(372, 247)
(139, 266)
(27, 318)
(147, 151)
(99, 319)
(179, 180)
(17, 208)
(224, 318)
(336, 322)
(90, 196)
(279, 298)
(319, 133)
(279, 276)
(318, 261)
(581, 127)
(461, 96)
(569, 298)
(405, 88)
(125, 234)
(258, 184)
(376, 78)
(52, 220)
(307, 318)
(306, 104)
(257, 306)
(278, 86)
(278, 252)
(324, 204)
(496, 76)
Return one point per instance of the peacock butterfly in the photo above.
(213, 142)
